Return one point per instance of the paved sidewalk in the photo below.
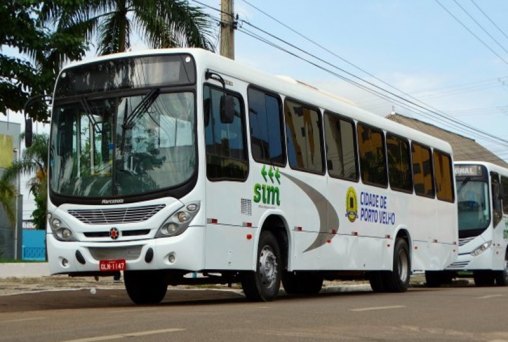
(24, 270)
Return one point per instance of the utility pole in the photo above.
(227, 29)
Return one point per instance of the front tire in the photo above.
(502, 276)
(264, 283)
(484, 278)
(145, 287)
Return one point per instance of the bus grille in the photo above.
(117, 215)
(127, 253)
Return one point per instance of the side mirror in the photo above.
(227, 109)
(28, 132)
(28, 121)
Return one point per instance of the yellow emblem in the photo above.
(351, 205)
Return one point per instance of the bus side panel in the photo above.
(444, 241)
(230, 242)
(229, 248)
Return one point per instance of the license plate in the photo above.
(112, 265)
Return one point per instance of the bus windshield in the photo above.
(122, 145)
(473, 204)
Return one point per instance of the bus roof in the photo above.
(289, 88)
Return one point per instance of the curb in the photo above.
(24, 270)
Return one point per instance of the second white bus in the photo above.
(482, 190)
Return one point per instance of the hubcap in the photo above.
(403, 266)
(267, 267)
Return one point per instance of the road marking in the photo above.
(22, 319)
(374, 308)
(490, 296)
(118, 336)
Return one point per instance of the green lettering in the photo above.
(266, 194)
(265, 200)
(257, 195)
(269, 194)
(276, 195)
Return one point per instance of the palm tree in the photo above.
(160, 23)
(7, 195)
(34, 160)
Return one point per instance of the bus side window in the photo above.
(304, 137)
(443, 173)
(226, 152)
(341, 147)
(423, 178)
(372, 155)
(496, 199)
(504, 193)
(399, 164)
(266, 127)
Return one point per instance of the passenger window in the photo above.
(496, 199)
(226, 152)
(266, 127)
(399, 164)
(504, 185)
(372, 155)
(304, 137)
(444, 176)
(340, 147)
(423, 178)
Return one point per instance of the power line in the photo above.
(424, 107)
(492, 21)
(471, 32)
(428, 112)
(480, 26)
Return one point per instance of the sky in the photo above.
(449, 57)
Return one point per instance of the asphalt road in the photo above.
(462, 313)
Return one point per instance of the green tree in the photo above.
(34, 161)
(34, 56)
(7, 196)
(160, 23)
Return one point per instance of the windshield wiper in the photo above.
(89, 114)
(464, 182)
(142, 107)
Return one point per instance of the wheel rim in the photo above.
(403, 266)
(268, 267)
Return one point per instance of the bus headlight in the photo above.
(59, 229)
(482, 248)
(177, 223)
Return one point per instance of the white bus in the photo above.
(482, 190)
(170, 163)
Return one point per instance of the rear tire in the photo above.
(145, 287)
(264, 283)
(398, 279)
